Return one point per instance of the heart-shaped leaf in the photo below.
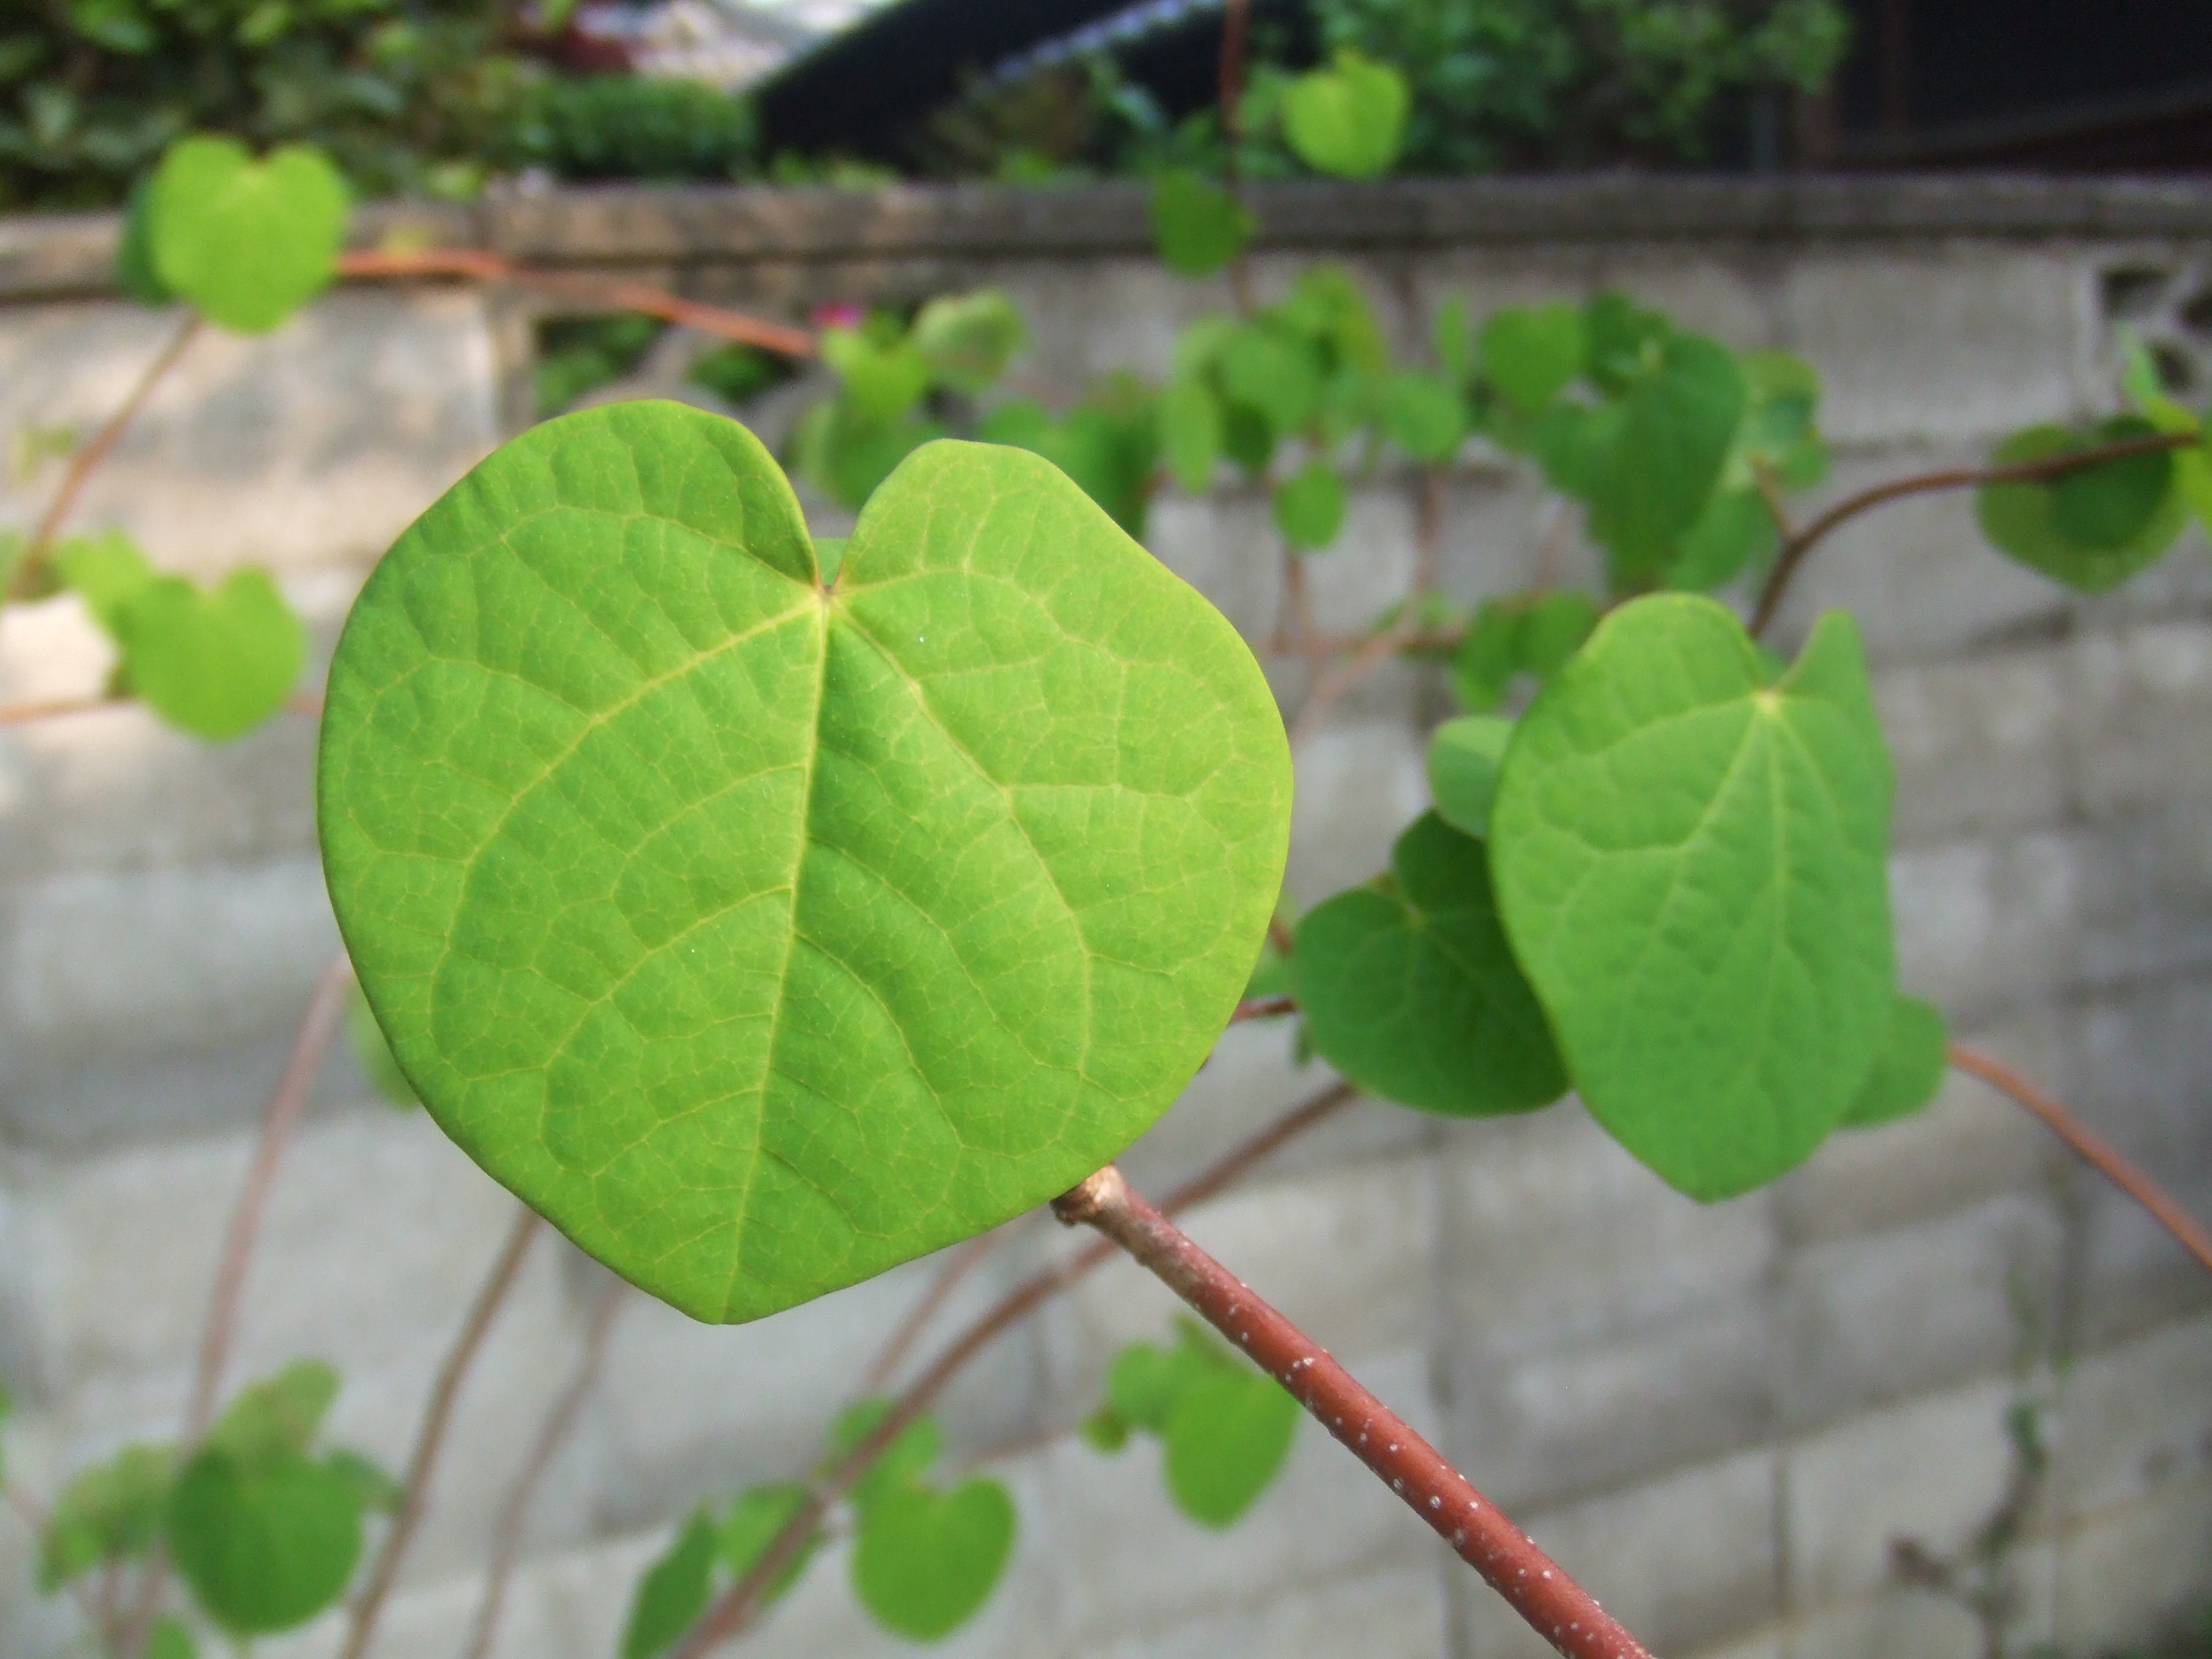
(925, 1562)
(763, 937)
(245, 242)
(1463, 760)
(673, 1595)
(1309, 507)
(216, 664)
(1690, 863)
(266, 1547)
(1197, 227)
(968, 339)
(2024, 521)
(1226, 1439)
(1348, 119)
(757, 1519)
(1529, 353)
(1677, 424)
(1408, 988)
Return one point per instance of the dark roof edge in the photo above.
(729, 225)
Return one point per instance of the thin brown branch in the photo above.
(1795, 548)
(316, 1026)
(1235, 38)
(430, 1439)
(1770, 491)
(515, 1516)
(2092, 1148)
(1341, 677)
(25, 714)
(962, 1261)
(86, 460)
(1280, 935)
(1262, 1008)
(742, 1603)
(1428, 532)
(1294, 628)
(613, 293)
(1537, 1588)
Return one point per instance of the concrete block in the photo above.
(1359, 786)
(2146, 897)
(154, 1002)
(2135, 1575)
(1936, 344)
(2137, 1418)
(1888, 1627)
(1984, 926)
(1395, 1614)
(317, 443)
(1979, 744)
(1929, 1469)
(1881, 1316)
(1685, 1563)
(2141, 702)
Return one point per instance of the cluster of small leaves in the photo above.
(1224, 1428)
(264, 1527)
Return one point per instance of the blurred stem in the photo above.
(1536, 1587)
(437, 1418)
(744, 1601)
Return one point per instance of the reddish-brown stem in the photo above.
(964, 1260)
(1559, 1609)
(1294, 629)
(316, 1026)
(514, 1517)
(742, 1602)
(479, 266)
(1280, 935)
(1236, 37)
(430, 1439)
(23, 714)
(1796, 546)
(86, 460)
(1262, 1008)
(2091, 1147)
(1340, 676)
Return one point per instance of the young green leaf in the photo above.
(1226, 1439)
(279, 1418)
(1424, 417)
(756, 1521)
(1532, 634)
(1463, 759)
(1349, 119)
(266, 1546)
(107, 571)
(673, 1592)
(109, 1512)
(375, 1054)
(1275, 374)
(1734, 532)
(1621, 341)
(1105, 1431)
(213, 663)
(925, 1562)
(1190, 432)
(373, 1488)
(134, 253)
(906, 1460)
(1309, 507)
(1529, 354)
(637, 839)
(1651, 482)
(171, 1640)
(1197, 227)
(1408, 988)
(246, 243)
(1143, 1381)
(2022, 519)
(967, 340)
(2111, 504)
(1690, 863)
(1908, 1068)
(882, 381)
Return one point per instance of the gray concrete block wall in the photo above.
(1724, 1417)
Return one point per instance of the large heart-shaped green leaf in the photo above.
(1689, 861)
(1409, 989)
(1347, 119)
(763, 937)
(246, 242)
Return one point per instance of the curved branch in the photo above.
(1537, 1588)
(2091, 1147)
(744, 1601)
(964, 1260)
(477, 265)
(86, 460)
(514, 1517)
(1796, 546)
(437, 1418)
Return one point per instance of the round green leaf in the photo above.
(1277, 375)
(1348, 119)
(171, 1640)
(1651, 482)
(1309, 507)
(1190, 432)
(214, 664)
(1735, 530)
(925, 1562)
(1424, 417)
(2109, 505)
(1408, 988)
(1463, 758)
(672, 1594)
(246, 242)
(755, 1522)
(1226, 1438)
(265, 1549)
(1197, 227)
(2022, 519)
(1690, 865)
(1530, 353)
(968, 339)
(134, 253)
(763, 937)
(1908, 1069)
